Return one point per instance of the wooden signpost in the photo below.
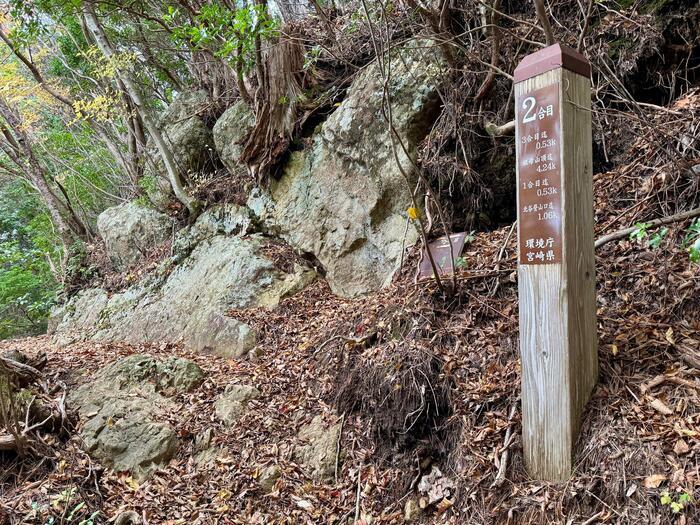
(556, 270)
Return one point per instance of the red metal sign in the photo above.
(440, 250)
(538, 137)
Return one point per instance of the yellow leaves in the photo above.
(132, 483)
(413, 213)
(100, 108)
(223, 495)
(107, 68)
(23, 93)
(669, 336)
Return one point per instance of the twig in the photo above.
(356, 341)
(359, 493)
(495, 52)
(544, 21)
(337, 446)
(22, 370)
(579, 45)
(494, 130)
(651, 224)
(595, 517)
(500, 256)
(501, 475)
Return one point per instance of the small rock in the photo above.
(268, 478)
(319, 454)
(411, 511)
(122, 412)
(232, 404)
(128, 518)
(202, 441)
(181, 375)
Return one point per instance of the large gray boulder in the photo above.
(230, 134)
(122, 412)
(130, 230)
(210, 275)
(188, 134)
(344, 199)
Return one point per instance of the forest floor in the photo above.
(640, 435)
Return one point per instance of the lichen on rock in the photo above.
(318, 450)
(233, 403)
(122, 411)
(130, 230)
(217, 267)
(344, 198)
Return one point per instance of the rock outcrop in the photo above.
(344, 199)
(216, 268)
(188, 134)
(121, 412)
(130, 230)
(230, 133)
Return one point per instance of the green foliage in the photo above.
(692, 241)
(311, 57)
(676, 502)
(228, 34)
(27, 241)
(655, 240)
(640, 232)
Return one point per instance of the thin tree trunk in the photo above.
(67, 101)
(19, 152)
(134, 92)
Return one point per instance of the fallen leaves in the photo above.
(654, 481)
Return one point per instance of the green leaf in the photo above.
(685, 498)
(665, 498)
(656, 239)
(639, 232)
(694, 251)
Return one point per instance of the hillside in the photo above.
(213, 222)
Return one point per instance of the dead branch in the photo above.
(620, 234)
(544, 21)
(501, 475)
(494, 130)
(7, 442)
(495, 52)
(21, 370)
(584, 30)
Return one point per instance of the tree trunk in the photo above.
(69, 102)
(134, 91)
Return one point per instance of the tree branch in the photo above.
(656, 222)
(544, 21)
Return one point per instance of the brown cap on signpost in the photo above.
(552, 57)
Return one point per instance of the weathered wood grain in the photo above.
(558, 340)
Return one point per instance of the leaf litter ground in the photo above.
(640, 435)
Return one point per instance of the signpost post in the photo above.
(556, 270)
